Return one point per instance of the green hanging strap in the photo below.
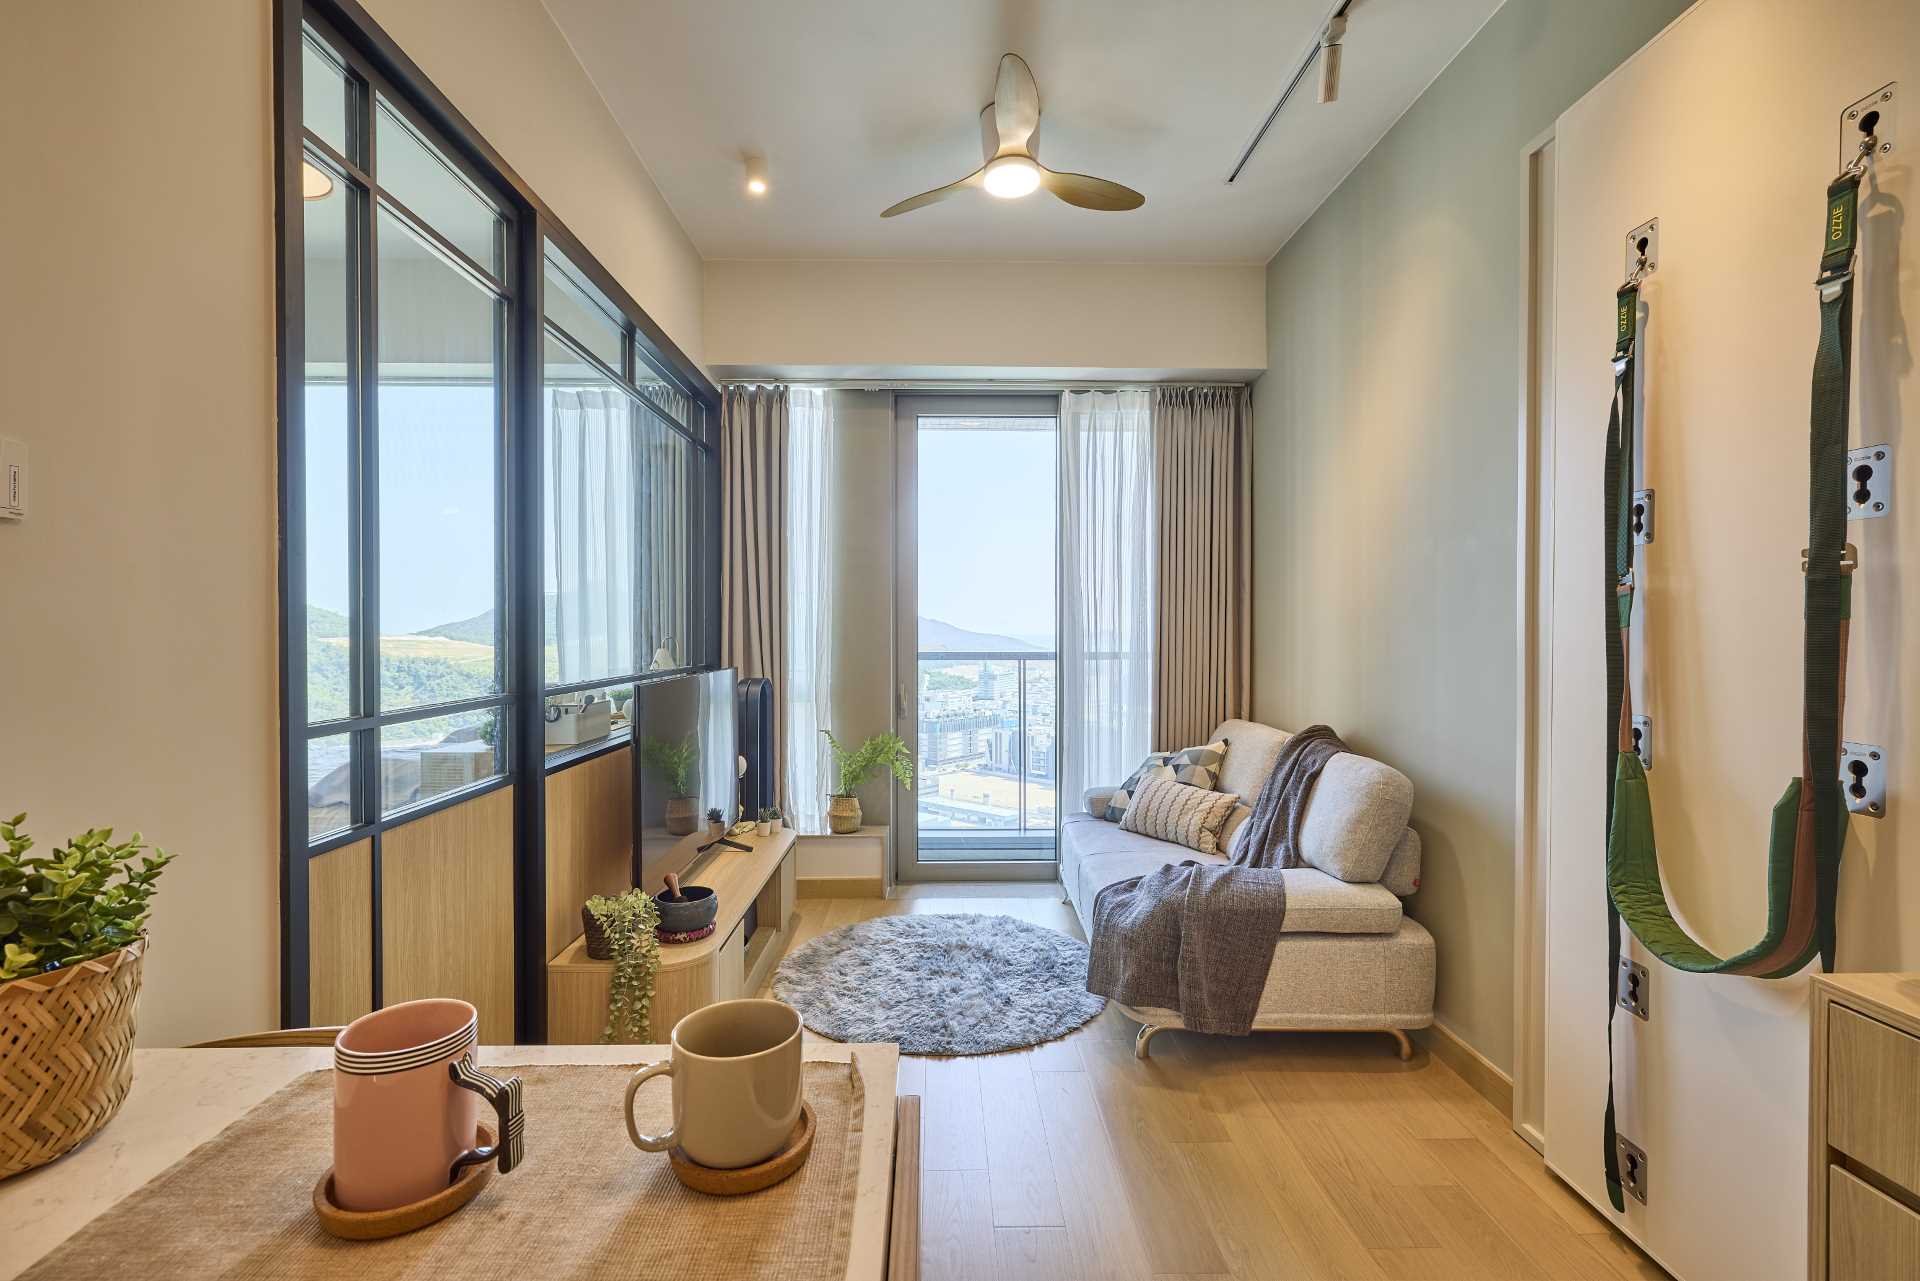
(1809, 820)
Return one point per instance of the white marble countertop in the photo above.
(182, 1098)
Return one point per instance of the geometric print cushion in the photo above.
(1194, 766)
(1172, 811)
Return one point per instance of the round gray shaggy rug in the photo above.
(940, 984)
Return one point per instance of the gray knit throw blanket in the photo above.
(1198, 938)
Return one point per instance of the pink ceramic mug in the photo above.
(405, 1101)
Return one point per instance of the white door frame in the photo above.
(907, 408)
(1534, 585)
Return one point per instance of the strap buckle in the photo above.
(1849, 558)
(1832, 286)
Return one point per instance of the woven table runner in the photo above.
(586, 1204)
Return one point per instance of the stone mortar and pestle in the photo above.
(683, 911)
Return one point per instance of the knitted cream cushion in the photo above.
(1168, 810)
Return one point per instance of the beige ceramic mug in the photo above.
(736, 1084)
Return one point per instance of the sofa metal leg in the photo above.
(1406, 1046)
(1146, 1034)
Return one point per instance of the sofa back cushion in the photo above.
(1185, 815)
(1355, 816)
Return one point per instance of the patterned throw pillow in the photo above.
(1195, 766)
(1171, 811)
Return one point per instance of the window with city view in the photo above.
(985, 680)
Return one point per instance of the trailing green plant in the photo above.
(81, 901)
(673, 760)
(856, 766)
(630, 920)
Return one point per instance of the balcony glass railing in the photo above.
(988, 756)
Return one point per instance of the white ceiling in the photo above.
(859, 103)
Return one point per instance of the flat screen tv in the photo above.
(685, 762)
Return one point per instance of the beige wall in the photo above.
(969, 319)
(138, 602)
(863, 612)
(1385, 457)
(136, 361)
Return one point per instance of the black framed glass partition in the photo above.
(498, 490)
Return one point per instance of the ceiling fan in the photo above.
(1010, 134)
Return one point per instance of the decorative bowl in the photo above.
(694, 907)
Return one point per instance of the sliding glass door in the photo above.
(978, 608)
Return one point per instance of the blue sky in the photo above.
(987, 530)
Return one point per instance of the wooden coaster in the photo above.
(375, 1225)
(749, 1178)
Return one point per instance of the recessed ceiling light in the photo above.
(315, 183)
(756, 176)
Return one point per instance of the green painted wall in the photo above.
(1386, 463)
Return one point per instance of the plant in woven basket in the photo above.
(85, 899)
(854, 766)
(630, 920)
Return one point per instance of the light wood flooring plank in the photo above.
(953, 1123)
(1159, 1184)
(1558, 1249)
(956, 1227)
(1475, 1245)
(1035, 1254)
(1165, 1089)
(1062, 1055)
(1100, 1225)
(1249, 1234)
(1019, 1166)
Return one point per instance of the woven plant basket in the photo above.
(66, 1055)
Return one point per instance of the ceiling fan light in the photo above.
(1011, 177)
(756, 166)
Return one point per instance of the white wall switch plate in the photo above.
(13, 479)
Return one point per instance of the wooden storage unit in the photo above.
(724, 965)
(1864, 1212)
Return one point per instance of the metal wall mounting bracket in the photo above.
(1863, 778)
(1869, 482)
(1642, 516)
(1879, 109)
(1632, 1164)
(1644, 239)
(1632, 994)
(1643, 740)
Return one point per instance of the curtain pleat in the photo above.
(753, 569)
(807, 698)
(1203, 610)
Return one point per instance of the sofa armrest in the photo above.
(1097, 798)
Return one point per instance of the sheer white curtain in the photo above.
(590, 533)
(1107, 588)
(808, 691)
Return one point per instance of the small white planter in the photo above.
(763, 827)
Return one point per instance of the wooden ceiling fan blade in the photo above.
(933, 197)
(1016, 104)
(1089, 192)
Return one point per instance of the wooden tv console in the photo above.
(724, 965)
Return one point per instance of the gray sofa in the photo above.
(1349, 958)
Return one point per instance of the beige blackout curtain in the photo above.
(1203, 608)
(753, 561)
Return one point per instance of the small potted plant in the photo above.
(716, 822)
(776, 820)
(72, 934)
(628, 923)
(856, 766)
(765, 826)
(674, 763)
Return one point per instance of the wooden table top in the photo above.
(182, 1098)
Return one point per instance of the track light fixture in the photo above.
(1330, 58)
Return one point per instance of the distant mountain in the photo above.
(325, 624)
(478, 630)
(937, 637)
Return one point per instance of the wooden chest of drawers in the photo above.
(1864, 1212)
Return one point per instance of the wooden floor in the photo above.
(1284, 1155)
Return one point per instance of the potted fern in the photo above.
(854, 767)
(72, 932)
(629, 924)
(674, 763)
